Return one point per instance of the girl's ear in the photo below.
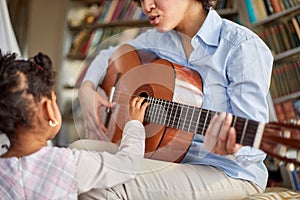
(49, 110)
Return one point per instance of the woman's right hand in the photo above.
(91, 102)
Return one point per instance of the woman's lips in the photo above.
(154, 20)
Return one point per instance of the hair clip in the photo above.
(40, 67)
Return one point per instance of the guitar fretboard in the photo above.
(196, 120)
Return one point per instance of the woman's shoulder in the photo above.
(236, 33)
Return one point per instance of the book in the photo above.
(250, 11)
(295, 175)
(279, 112)
(293, 32)
(284, 37)
(130, 10)
(286, 4)
(96, 40)
(296, 26)
(269, 7)
(289, 35)
(296, 105)
(289, 110)
(125, 9)
(110, 11)
(276, 6)
(277, 44)
(118, 10)
(104, 12)
(78, 41)
(259, 9)
(286, 175)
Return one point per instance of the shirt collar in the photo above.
(211, 28)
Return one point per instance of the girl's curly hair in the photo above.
(206, 3)
(22, 84)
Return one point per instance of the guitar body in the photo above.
(142, 74)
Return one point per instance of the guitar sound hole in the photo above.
(144, 91)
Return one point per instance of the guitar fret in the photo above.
(204, 123)
(191, 119)
(159, 116)
(180, 121)
(164, 111)
(239, 128)
(170, 109)
(234, 122)
(173, 116)
(167, 113)
(197, 122)
(251, 131)
(152, 110)
(175, 125)
(148, 112)
(244, 131)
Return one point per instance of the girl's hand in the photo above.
(137, 108)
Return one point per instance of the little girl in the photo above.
(30, 116)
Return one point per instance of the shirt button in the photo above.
(196, 39)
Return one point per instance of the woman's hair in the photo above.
(22, 84)
(206, 3)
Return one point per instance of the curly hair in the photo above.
(22, 84)
(206, 3)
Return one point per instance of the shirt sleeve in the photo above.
(249, 75)
(249, 79)
(97, 69)
(103, 170)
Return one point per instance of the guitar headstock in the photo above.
(282, 141)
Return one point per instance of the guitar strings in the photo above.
(159, 116)
(200, 127)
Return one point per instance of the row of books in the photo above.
(285, 78)
(282, 35)
(261, 9)
(87, 41)
(288, 110)
(107, 11)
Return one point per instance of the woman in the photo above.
(235, 66)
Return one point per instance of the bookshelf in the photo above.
(280, 29)
(277, 22)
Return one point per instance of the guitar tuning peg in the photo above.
(294, 121)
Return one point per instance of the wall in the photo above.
(46, 27)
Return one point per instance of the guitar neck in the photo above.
(196, 120)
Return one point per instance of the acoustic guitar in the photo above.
(174, 114)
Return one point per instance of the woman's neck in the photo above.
(193, 20)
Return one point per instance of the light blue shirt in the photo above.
(235, 66)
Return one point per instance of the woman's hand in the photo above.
(91, 102)
(220, 137)
(137, 108)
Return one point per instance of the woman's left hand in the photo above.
(220, 137)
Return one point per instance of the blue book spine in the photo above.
(250, 10)
(296, 179)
